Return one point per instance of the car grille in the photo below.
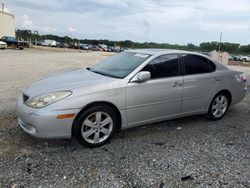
(25, 98)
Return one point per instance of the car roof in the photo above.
(158, 52)
(161, 51)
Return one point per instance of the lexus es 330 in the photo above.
(129, 89)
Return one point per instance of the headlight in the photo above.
(47, 99)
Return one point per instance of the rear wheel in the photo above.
(218, 107)
(95, 126)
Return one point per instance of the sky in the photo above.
(162, 21)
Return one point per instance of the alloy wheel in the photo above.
(219, 106)
(97, 127)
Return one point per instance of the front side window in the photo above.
(163, 66)
(121, 65)
(194, 64)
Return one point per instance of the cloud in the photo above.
(165, 21)
(71, 29)
(224, 26)
(49, 29)
(7, 10)
(26, 22)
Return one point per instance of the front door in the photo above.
(158, 98)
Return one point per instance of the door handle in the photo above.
(216, 79)
(176, 84)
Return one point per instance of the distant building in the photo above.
(7, 24)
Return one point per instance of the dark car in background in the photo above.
(95, 48)
(111, 48)
(236, 58)
(11, 42)
(62, 45)
(85, 46)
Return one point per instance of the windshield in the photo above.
(121, 65)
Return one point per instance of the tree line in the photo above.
(205, 46)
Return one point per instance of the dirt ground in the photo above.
(19, 68)
(187, 152)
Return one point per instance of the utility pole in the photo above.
(220, 42)
(2, 7)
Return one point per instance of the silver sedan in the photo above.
(132, 88)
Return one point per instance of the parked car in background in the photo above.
(3, 45)
(236, 58)
(51, 43)
(62, 45)
(129, 89)
(117, 49)
(244, 58)
(110, 48)
(11, 42)
(84, 47)
(38, 43)
(230, 58)
(103, 47)
(95, 48)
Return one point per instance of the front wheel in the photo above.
(218, 107)
(95, 126)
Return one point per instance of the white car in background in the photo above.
(244, 58)
(3, 45)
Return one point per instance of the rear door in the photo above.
(199, 83)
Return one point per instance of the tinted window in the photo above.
(11, 38)
(163, 66)
(195, 64)
(212, 66)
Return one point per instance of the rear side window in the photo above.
(194, 64)
(163, 66)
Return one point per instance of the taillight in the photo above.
(243, 77)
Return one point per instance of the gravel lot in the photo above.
(187, 152)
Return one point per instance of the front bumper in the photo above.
(43, 123)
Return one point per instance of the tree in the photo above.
(191, 46)
(245, 48)
(205, 46)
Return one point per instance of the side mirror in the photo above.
(141, 76)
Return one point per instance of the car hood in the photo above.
(66, 80)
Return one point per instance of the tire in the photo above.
(95, 126)
(13, 46)
(218, 107)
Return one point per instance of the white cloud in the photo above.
(71, 29)
(49, 29)
(7, 10)
(224, 26)
(121, 3)
(166, 21)
(26, 22)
